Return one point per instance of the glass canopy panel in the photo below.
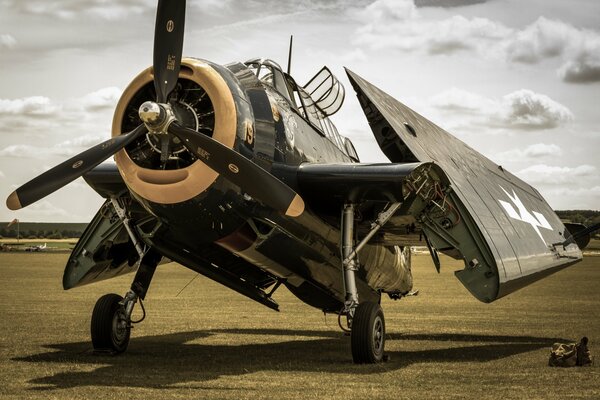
(326, 90)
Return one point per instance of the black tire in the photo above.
(368, 334)
(108, 332)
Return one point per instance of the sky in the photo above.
(517, 80)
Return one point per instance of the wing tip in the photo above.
(13, 202)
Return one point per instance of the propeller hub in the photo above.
(157, 117)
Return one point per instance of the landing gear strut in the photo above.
(111, 318)
(365, 320)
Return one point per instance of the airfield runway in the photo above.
(210, 342)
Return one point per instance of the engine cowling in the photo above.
(203, 101)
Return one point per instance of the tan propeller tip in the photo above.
(13, 202)
(296, 207)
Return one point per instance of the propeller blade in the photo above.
(254, 180)
(168, 46)
(64, 173)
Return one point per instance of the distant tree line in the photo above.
(41, 234)
(586, 217)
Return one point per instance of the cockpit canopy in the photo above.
(321, 97)
(327, 91)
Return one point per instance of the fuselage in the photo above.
(261, 113)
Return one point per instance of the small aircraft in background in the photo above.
(35, 248)
(235, 171)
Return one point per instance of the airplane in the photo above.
(236, 172)
(35, 248)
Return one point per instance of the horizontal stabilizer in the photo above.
(580, 234)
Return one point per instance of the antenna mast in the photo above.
(289, 68)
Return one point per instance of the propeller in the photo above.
(66, 172)
(236, 168)
(168, 46)
(159, 118)
(239, 170)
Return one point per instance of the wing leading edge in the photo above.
(518, 236)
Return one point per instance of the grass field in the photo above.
(211, 343)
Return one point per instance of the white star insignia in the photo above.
(535, 219)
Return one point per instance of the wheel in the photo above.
(110, 330)
(368, 334)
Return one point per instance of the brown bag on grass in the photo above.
(570, 354)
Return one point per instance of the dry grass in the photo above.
(212, 343)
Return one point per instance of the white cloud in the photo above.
(398, 25)
(579, 49)
(101, 99)
(574, 198)
(66, 148)
(528, 110)
(455, 99)
(389, 11)
(447, 3)
(583, 69)
(19, 150)
(34, 105)
(591, 194)
(519, 110)
(552, 175)
(392, 26)
(44, 209)
(534, 151)
(39, 113)
(71, 9)
(7, 41)
(540, 40)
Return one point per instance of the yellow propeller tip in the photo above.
(296, 207)
(13, 202)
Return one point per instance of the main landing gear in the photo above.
(111, 318)
(365, 320)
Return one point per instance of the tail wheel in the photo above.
(110, 329)
(368, 334)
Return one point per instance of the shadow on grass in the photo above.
(167, 360)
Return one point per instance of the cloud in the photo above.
(71, 9)
(542, 39)
(591, 193)
(552, 175)
(525, 109)
(584, 69)
(7, 41)
(18, 150)
(35, 105)
(43, 209)
(37, 113)
(65, 148)
(399, 25)
(101, 99)
(534, 151)
(447, 3)
(519, 110)
(579, 49)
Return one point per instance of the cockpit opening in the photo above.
(321, 97)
